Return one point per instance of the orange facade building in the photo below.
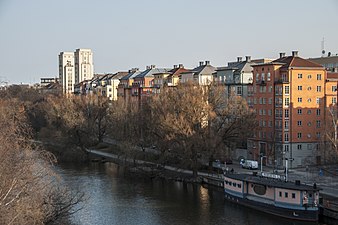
(289, 97)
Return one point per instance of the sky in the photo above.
(124, 34)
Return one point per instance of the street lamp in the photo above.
(262, 156)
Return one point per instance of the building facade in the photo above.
(75, 67)
(289, 101)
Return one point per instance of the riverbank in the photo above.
(150, 169)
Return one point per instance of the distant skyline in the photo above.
(137, 33)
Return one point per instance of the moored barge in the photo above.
(273, 194)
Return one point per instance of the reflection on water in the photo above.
(117, 197)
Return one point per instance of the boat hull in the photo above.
(294, 214)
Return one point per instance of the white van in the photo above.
(250, 164)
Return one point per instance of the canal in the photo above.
(117, 197)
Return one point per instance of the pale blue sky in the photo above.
(136, 33)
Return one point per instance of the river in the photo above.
(117, 197)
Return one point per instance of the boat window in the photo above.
(226, 182)
(310, 195)
(286, 194)
(239, 185)
(293, 195)
(230, 183)
(234, 184)
(280, 194)
(259, 189)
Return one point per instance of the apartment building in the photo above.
(67, 72)
(203, 74)
(330, 62)
(75, 67)
(168, 78)
(289, 100)
(143, 83)
(125, 85)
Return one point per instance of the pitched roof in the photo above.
(150, 72)
(295, 61)
(119, 75)
(130, 75)
(203, 69)
(332, 75)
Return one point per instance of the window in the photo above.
(286, 137)
(299, 135)
(287, 90)
(286, 113)
(257, 77)
(300, 99)
(270, 112)
(286, 195)
(300, 76)
(309, 100)
(299, 111)
(309, 146)
(286, 148)
(309, 111)
(319, 76)
(318, 112)
(334, 88)
(280, 194)
(268, 76)
(263, 77)
(309, 76)
(270, 101)
(239, 90)
(293, 195)
(309, 124)
(299, 123)
(286, 124)
(270, 123)
(309, 88)
(318, 100)
(318, 123)
(287, 101)
(319, 88)
(300, 88)
(299, 147)
(318, 134)
(334, 100)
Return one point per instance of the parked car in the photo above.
(249, 164)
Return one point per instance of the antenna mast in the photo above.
(323, 47)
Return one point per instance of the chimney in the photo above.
(239, 59)
(152, 67)
(201, 63)
(180, 66)
(281, 55)
(295, 53)
(175, 66)
(148, 67)
(207, 63)
(248, 58)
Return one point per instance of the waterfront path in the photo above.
(327, 181)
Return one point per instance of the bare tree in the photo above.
(179, 116)
(27, 179)
(331, 135)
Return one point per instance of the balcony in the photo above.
(261, 82)
(281, 81)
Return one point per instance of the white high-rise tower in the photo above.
(67, 72)
(84, 67)
(75, 67)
